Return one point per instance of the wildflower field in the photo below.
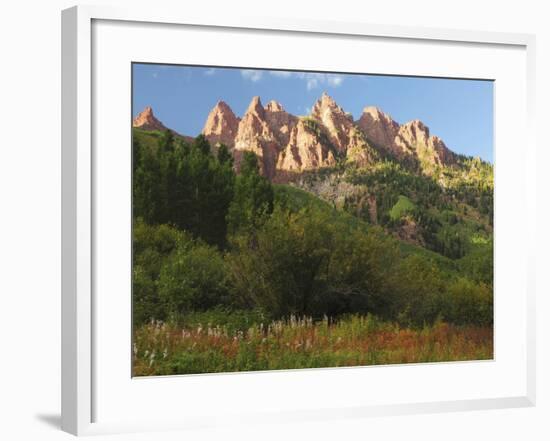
(170, 349)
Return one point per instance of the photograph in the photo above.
(288, 219)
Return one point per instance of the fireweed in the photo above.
(300, 342)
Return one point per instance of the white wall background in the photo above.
(30, 218)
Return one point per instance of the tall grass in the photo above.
(168, 349)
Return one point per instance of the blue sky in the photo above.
(458, 111)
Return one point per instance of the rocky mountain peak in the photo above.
(274, 106)
(376, 114)
(305, 150)
(255, 108)
(146, 120)
(335, 120)
(418, 125)
(221, 125)
(414, 138)
(380, 128)
(325, 104)
(222, 106)
(415, 132)
(255, 134)
(279, 121)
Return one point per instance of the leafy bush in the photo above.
(478, 263)
(146, 305)
(469, 303)
(311, 262)
(418, 289)
(152, 245)
(282, 270)
(193, 279)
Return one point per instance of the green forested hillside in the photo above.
(449, 213)
(205, 237)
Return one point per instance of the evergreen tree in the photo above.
(224, 156)
(147, 186)
(253, 199)
(201, 143)
(185, 186)
(169, 179)
(166, 142)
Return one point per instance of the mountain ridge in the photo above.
(288, 144)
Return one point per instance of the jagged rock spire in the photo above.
(221, 125)
(146, 120)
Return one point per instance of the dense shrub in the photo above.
(284, 268)
(310, 263)
(146, 304)
(478, 263)
(418, 288)
(193, 279)
(151, 246)
(468, 303)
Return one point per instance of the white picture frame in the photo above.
(82, 380)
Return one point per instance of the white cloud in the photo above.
(334, 80)
(252, 75)
(313, 80)
(210, 71)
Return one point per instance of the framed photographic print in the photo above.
(262, 209)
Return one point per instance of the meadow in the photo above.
(166, 349)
